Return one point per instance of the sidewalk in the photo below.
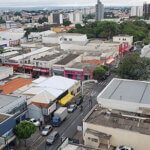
(29, 141)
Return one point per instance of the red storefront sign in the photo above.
(27, 67)
(41, 69)
(15, 66)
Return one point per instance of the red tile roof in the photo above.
(93, 61)
(13, 85)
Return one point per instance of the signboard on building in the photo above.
(51, 108)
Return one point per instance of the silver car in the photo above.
(53, 136)
(47, 130)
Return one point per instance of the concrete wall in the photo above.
(35, 112)
(133, 139)
(6, 73)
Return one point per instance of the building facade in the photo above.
(99, 11)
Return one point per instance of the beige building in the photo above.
(123, 38)
(112, 128)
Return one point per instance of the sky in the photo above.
(38, 3)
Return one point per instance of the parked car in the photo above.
(79, 101)
(52, 138)
(47, 129)
(123, 148)
(72, 108)
(35, 122)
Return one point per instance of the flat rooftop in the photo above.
(5, 100)
(3, 117)
(3, 68)
(120, 119)
(87, 66)
(67, 59)
(127, 90)
(49, 57)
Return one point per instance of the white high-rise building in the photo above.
(99, 11)
(55, 18)
(75, 17)
(137, 11)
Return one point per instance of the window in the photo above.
(70, 39)
(65, 39)
(93, 140)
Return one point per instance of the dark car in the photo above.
(52, 138)
(79, 101)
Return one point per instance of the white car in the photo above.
(35, 122)
(47, 130)
(72, 108)
(123, 148)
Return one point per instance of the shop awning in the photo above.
(110, 61)
(66, 99)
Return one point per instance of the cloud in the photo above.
(23, 3)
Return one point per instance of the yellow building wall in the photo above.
(123, 137)
(57, 29)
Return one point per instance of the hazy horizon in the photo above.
(70, 3)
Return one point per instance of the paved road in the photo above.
(69, 127)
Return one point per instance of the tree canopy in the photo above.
(66, 22)
(42, 20)
(134, 67)
(99, 72)
(108, 29)
(24, 130)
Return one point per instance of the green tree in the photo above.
(78, 26)
(66, 22)
(1, 49)
(134, 67)
(99, 73)
(2, 21)
(24, 130)
(42, 20)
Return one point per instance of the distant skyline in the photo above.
(44, 3)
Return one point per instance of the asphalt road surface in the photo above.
(69, 126)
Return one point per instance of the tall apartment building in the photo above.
(146, 10)
(99, 11)
(137, 11)
(55, 18)
(75, 17)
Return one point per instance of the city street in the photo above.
(69, 127)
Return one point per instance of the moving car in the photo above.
(35, 122)
(72, 108)
(79, 101)
(47, 130)
(52, 138)
(123, 148)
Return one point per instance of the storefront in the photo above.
(58, 70)
(15, 66)
(77, 75)
(27, 69)
(40, 72)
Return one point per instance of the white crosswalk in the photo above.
(102, 83)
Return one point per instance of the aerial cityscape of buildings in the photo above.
(76, 78)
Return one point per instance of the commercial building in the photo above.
(109, 128)
(58, 67)
(65, 38)
(43, 65)
(5, 72)
(7, 137)
(80, 71)
(44, 93)
(137, 11)
(99, 11)
(123, 38)
(126, 95)
(14, 105)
